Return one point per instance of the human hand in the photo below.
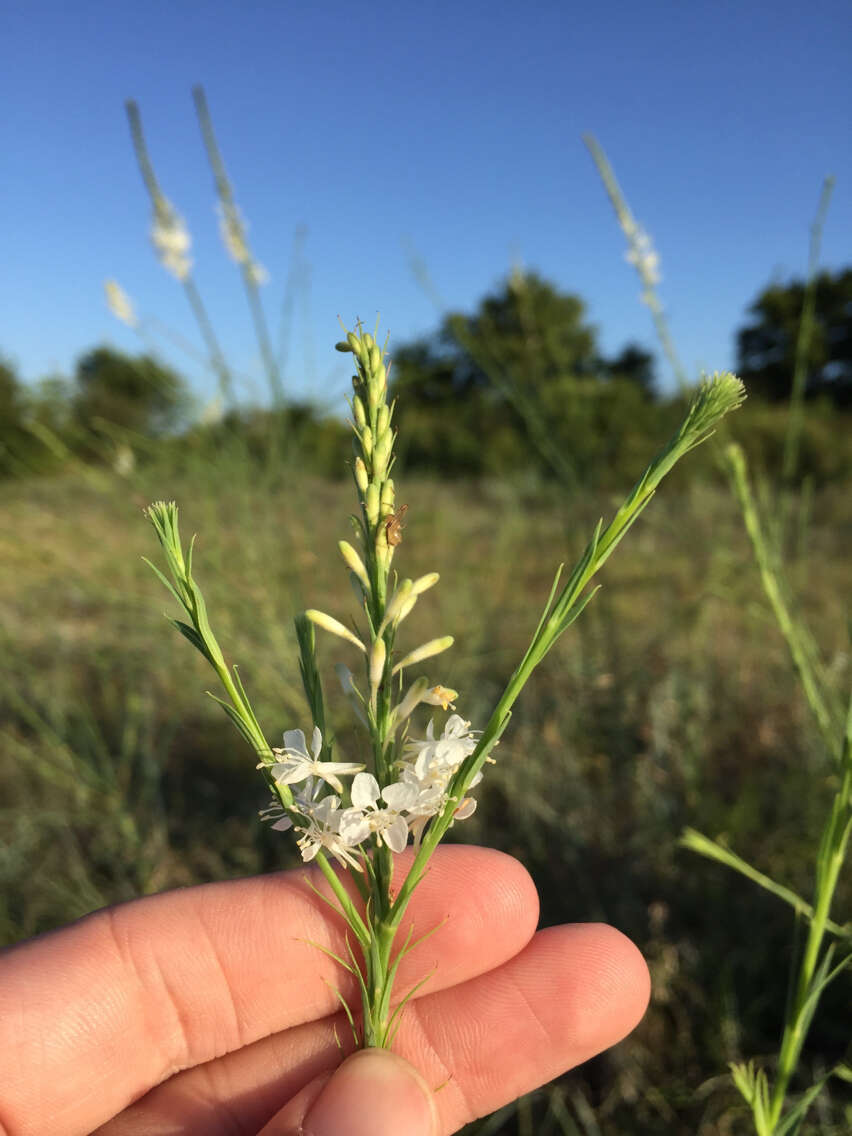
(211, 1010)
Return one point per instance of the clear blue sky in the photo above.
(454, 127)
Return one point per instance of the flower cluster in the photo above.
(388, 813)
(642, 255)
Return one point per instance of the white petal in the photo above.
(400, 796)
(354, 827)
(290, 772)
(316, 742)
(466, 808)
(396, 835)
(295, 740)
(365, 791)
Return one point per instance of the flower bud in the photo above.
(375, 358)
(398, 601)
(371, 503)
(329, 623)
(378, 655)
(343, 346)
(359, 413)
(424, 583)
(354, 343)
(367, 441)
(354, 563)
(361, 478)
(368, 341)
(382, 451)
(382, 420)
(415, 695)
(426, 651)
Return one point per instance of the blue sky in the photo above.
(451, 129)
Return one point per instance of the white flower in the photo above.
(322, 831)
(298, 765)
(171, 240)
(435, 760)
(388, 824)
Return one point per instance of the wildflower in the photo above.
(437, 759)
(388, 824)
(297, 765)
(323, 832)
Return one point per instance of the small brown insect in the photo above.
(394, 524)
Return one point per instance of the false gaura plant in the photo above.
(414, 787)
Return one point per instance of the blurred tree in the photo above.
(11, 417)
(516, 384)
(635, 365)
(766, 347)
(132, 392)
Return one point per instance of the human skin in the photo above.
(213, 1009)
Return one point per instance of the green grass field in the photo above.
(670, 703)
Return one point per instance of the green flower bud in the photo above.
(361, 478)
(388, 497)
(359, 413)
(354, 343)
(375, 358)
(342, 346)
(371, 503)
(383, 419)
(367, 441)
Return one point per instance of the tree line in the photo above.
(519, 383)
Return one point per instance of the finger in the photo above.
(572, 992)
(92, 1016)
(373, 1093)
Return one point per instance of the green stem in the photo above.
(832, 853)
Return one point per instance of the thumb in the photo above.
(373, 1093)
